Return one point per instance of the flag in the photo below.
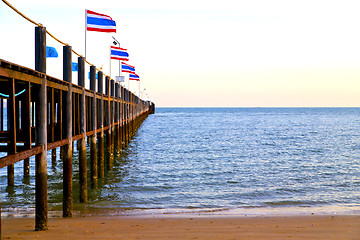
(127, 68)
(96, 75)
(51, 52)
(74, 67)
(99, 22)
(119, 53)
(134, 77)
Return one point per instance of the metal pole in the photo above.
(85, 30)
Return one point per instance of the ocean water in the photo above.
(221, 161)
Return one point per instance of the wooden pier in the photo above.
(45, 113)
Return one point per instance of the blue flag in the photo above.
(96, 75)
(51, 52)
(74, 67)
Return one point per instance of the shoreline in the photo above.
(81, 210)
(186, 227)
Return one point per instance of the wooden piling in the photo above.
(41, 133)
(126, 116)
(26, 125)
(51, 130)
(123, 117)
(82, 153)
(68, 127)
(101, 126)
(110, 116)
(116, 119)
(12, 130)
(107, 124)
(93, 149)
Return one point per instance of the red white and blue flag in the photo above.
(127, 68)
(119, 53)
(133, 76)
(99, 22)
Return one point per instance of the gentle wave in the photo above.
(223, 158)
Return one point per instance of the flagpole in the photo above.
(85, 30)
(119, 69)
(110, 61)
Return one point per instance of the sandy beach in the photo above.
(183, 227)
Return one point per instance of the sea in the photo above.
(218, 161)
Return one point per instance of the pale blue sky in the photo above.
(210, 53)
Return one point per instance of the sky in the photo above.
(259, 53)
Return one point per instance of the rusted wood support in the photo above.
(26, 125)
(109, 148)
(82, 148)
(116, 120)
(68, 127)
(60, 123)
(128, 122)
(125, 120)
(112, 120)
(101, 126)
(11, 118)
(93, 149)
(108, 123)
(52, 125)
(41, 133)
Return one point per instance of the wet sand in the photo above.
(182, 227)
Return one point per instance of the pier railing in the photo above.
(43, 113)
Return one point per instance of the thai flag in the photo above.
(127, 68)
(99, 22)
(134, 77)
(119, 53)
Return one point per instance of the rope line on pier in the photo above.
(55, 38)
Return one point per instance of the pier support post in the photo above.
(117, 128)
(53, 156)
(82, 147)
(108, 123)
(26, 125)
(11, 119)
(67, 162)
(126, 116)
(93, 149)
(129, 118)
(123, 118)
(41, 133)
(101, 126)
(110, 117)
